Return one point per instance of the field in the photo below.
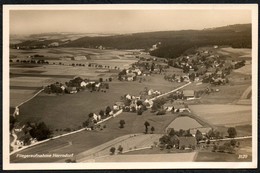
(247, 69)
(128, 142)
(235, 53)
(38, 75)
(176, 157)
(184, 123)
(83, 141)
(227, 115)
(70, 110)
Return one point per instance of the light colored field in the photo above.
(227, 115)
(247, 69)
(128, 142)
(177, 157)
(184, 123)
(19, 96)
(235, 52)
(28, 81)
(227, 93)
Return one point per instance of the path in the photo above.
(170, 91)
(244, 100)
(15, 147)
(227, 139)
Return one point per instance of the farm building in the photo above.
(78, 58)
(71, 90)
(54, 44)
(188, 94)
(168, 106)
(203, 130)
(120, 105)
(187, 142)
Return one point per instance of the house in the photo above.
(16, 111)
(120, 105)
(115, 107)
(18, 128)
(187, 142)
(147, 73)
(168, 106)
(78, 58)
(63, 88)
(150, 92)
(138, 71)
(130, 77)
(211, 70)
(83, 84)
(71, 90)
(148, 103)
(95, 116)
(98, 85)
(196, 79)
(186, 78)
(203, 130)
(188, 94)
(219, 73)
(128, 96)
(54, 44)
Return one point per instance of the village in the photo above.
(203, 71)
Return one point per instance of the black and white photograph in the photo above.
(130, 86)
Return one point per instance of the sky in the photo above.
(121, 21)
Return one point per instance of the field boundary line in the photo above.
(31, 97)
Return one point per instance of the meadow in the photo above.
(85, 140)
(227, 115)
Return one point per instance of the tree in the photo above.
(40, 131)
(171, 132)
(108, 109)
(101, 79)
(112, 150)
(146, 124)
(232, 132)
(198, 136)
(233, 142)
(101, 113)
(120, 149)
(165, 139)
(122, 123)
(214, 148)
(152, 129)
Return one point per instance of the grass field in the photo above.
(227, 94)
(86, 140)
(184, 123)
(227, 115)
(176, 157)
(24, 75)
(236, 53)
(71, 110)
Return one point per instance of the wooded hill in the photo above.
(173, 43)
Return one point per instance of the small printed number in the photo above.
(242, 156)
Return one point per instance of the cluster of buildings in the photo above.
(205, 65)
(75, 85)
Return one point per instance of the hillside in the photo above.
(173, 43)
